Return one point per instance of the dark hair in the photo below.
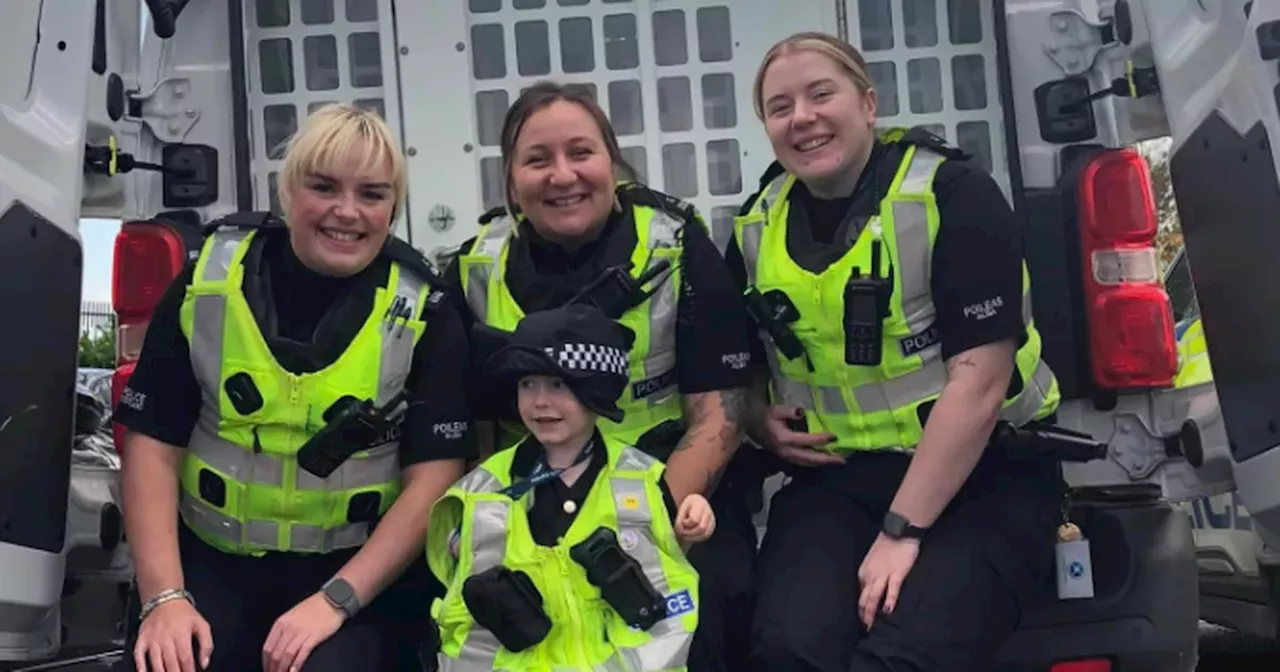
(539, 97)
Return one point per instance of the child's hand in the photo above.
(695, 521)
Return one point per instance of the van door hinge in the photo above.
(168, 110)
(1076, 41)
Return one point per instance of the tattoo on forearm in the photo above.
(962, 361)
(734, 403)
(700, 411)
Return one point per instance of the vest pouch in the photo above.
(507, 604)
(620, 578)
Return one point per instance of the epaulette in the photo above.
(246, 221)
(638, 194)
(770, 174)
(492, 214)
(923, 137)
(406, 255)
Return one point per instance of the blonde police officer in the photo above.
(277, 561)
(889, 275)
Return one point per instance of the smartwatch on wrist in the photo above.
(341, 595)
(895, 526)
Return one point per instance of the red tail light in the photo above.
(148, 256)
(1096, 665)
(1130, 318)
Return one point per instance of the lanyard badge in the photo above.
(542, 473)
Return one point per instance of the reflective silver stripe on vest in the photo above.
(614, 664)
(668, 646)
(264, 534)
(397, 343)
(752, 233)
(664, 231)
(488, 541)
(210, 316)
(489, 244)
(914, 247)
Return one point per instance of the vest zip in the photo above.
(246, 505)
(567, 591)
(289, 468)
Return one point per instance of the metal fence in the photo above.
(96, 317)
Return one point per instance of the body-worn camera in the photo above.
(775, 312)
(620, 578)
(351, 426)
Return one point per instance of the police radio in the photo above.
(866, 304)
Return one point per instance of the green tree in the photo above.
(1169, 233)
(98, 349)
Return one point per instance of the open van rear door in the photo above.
(57, 65)
(1218, 72)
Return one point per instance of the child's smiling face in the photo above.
(551, 411)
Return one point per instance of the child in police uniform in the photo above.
(565, 551)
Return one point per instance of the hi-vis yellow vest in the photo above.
(586, 633)
(652, 397)
(1193, 357)
(242, 490)
(873, 407)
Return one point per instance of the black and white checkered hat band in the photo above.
(589, 357)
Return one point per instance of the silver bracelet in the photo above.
(162, 597)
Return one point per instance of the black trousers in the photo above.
(724, 563)
(241, 598)
(990, 553)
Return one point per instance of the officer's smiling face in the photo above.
(551, 411)
(820, 125)
(339, 214)
(562, 176)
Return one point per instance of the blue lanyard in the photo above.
(542, 473)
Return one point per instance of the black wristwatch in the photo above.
(342, 596)
(897, 527)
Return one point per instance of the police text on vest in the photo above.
(917, 343)
(679, 603)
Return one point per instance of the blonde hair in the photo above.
(327, 138)
(844, 54)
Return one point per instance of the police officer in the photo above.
(888, 277)
(298, 402)
(580, 234)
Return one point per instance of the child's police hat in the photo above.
(577, 343)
